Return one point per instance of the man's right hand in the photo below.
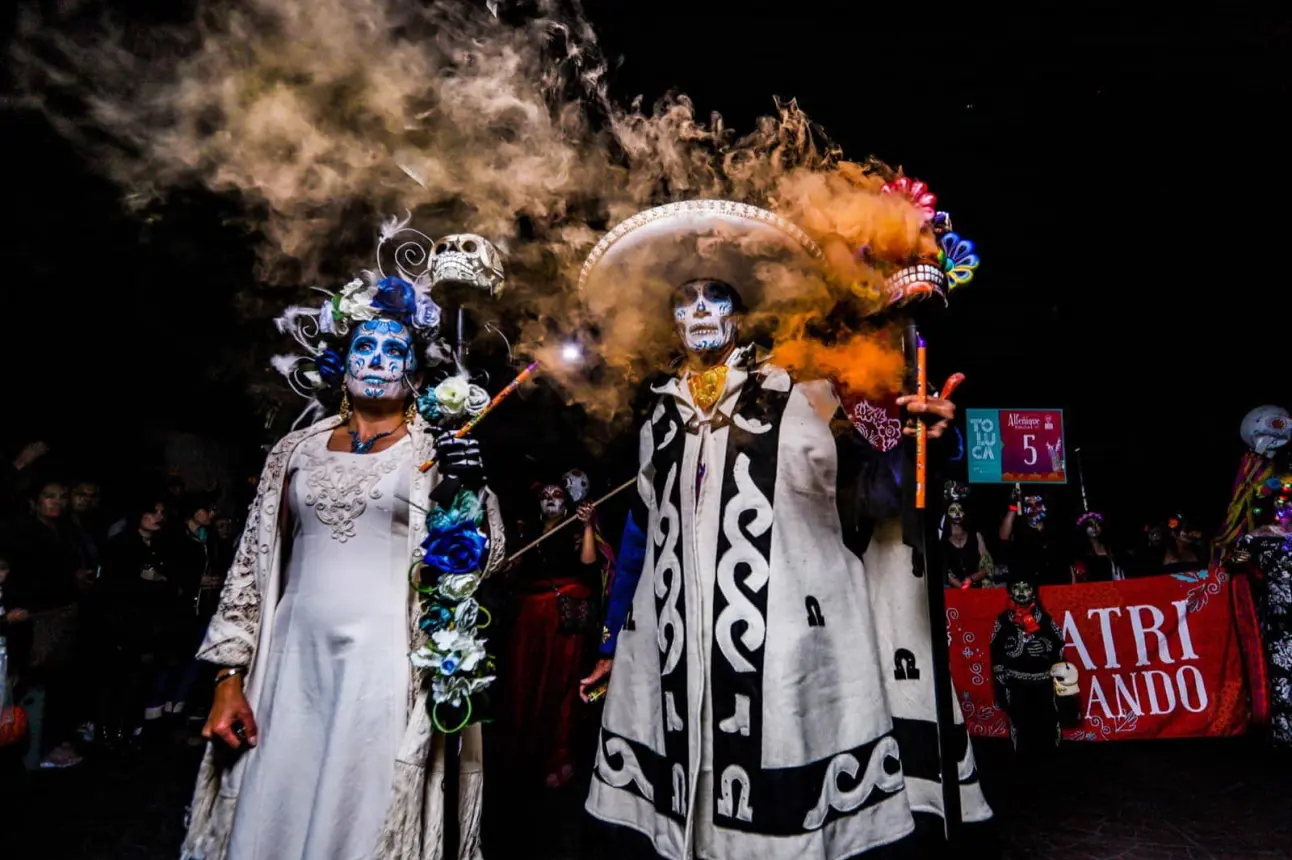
(230, 707)
(600, 675)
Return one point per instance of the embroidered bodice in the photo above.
(337, 488)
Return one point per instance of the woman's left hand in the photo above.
(585, 512)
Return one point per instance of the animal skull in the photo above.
(1266, 428)
(465, 258)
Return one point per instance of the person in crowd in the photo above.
(1032, 548)
(1094, 561)
(141, 612)
(1182, 549)
(47, 568)
(323, 722)
(15, 478)
(199, 565)
(13, 718)
(554, 633)
(965, 559)
(86, 518)
(1026, 644)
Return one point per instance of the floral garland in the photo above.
(449, 573)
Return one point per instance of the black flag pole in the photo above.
(924, 522)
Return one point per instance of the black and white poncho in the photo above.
(772, 691)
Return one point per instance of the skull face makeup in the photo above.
(955, 513)
(380, 359)
(551, 501)
(1022, 592)
(576, 484)
(1034, 510)
(704, 314)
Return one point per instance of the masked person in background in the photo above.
(328, 720)
(1026, 648)
(1032, 548)
(753, 661)
(1094, 561)
(964, 552)
(552, 639)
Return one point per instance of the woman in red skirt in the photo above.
(556, 630)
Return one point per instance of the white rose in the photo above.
(467, 614)
(477, 399)
(451, 394)
(460, 586)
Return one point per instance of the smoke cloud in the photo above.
(325, 116)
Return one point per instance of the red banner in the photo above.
(1159, 657)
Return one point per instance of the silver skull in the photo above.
(465, 258)
(1266, 429)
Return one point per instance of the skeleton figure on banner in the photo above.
(763, 594)
(348, 635)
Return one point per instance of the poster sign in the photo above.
(1016, 446)
(1158, 657)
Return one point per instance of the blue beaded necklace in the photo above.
(364, 446)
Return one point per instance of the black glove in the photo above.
(460, 466)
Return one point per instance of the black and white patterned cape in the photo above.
(772, 692)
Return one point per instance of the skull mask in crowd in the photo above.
(1091, 524)
(576, 485)
(465, 258)
(551, 501)
(1266, 429)
(1034, 510)
(955, 513)
(1022, 592)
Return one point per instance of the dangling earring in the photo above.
(344, 410)
(410, 413)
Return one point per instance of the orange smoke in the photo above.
(861, 365)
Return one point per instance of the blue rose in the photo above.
(450, 664)
(428, 406)
(395, 296)
(455, 550)
(436, 618)
(331, 366)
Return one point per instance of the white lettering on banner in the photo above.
(1106, 627)
(984, 434)
(1198, 683)
(1167, 690)
(1141, 632)
(1186, 641)
(1097, 695)
(1127, 696)
(1072, 639)
(1016, 420)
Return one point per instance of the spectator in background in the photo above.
(1093, 561)
(142, 611)
(87, 520)
(1182, 549)
(14, 478)
(965, 559)
(46, 568)
(1032, 550)
(199, 566)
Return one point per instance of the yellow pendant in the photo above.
(707, 387)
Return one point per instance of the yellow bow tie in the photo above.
(707, 387)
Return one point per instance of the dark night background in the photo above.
(1119, 172)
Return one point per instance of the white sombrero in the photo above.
(656, 251)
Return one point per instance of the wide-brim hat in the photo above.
(643, 260)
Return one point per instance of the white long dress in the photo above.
(335, 699)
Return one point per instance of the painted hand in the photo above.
(459, 458)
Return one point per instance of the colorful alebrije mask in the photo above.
(956, 261)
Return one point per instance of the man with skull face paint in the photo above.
(1026, 659)
(316, 696)
(1031, 548)
(752, 651)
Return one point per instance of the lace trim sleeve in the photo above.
(235, 628)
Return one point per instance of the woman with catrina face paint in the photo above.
(964, 552)
(1094, 561)
(320, 739)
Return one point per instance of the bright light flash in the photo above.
(571, 352)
